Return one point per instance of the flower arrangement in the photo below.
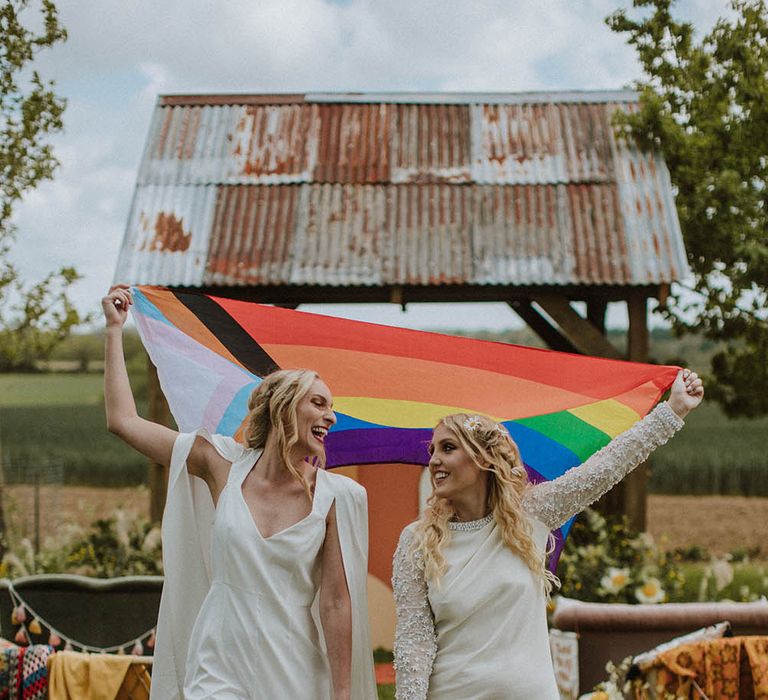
(604, 561)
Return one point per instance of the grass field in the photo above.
(59, 418)
(714, 455)
(53, 424)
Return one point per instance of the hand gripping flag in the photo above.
(390, 385)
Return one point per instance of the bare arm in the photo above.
(151, 439)
(336, 611)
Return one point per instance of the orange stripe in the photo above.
(353, 373)
(181, 317)
(640, 399)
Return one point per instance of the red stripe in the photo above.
(596, 377)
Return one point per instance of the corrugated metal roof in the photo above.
(347, 190)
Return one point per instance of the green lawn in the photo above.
(51, 389)
(749, 579)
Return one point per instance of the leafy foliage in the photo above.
(704, 104)
(605, 561)
(122, 545)
(33, 318)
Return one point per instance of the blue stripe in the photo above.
(146, 308)
(549, 458)
(237, 409)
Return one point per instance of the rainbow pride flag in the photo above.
(390, 385)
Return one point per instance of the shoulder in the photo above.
(407, 535)
(224, 445)
(344, 487)
(407, 561)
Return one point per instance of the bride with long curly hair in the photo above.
(470, 577)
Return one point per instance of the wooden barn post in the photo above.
(158, 473)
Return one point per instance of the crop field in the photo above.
(53, 424)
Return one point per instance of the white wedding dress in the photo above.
(482, 633)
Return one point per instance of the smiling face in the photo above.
(454, 473)
(314, 418)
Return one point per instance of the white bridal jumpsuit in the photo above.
(238, 617)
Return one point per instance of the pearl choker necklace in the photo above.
(469, 525)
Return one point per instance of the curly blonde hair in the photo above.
(493, 450)
(272, 406)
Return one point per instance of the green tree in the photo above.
(35, 317)
(704, 104)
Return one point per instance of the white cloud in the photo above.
(121, 55)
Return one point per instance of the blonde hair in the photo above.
(492, 450)
(272, 406)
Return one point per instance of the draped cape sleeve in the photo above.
(186, 533)
(352, 524)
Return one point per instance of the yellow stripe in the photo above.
(397, 414)
(610, 416)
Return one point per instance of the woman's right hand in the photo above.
(116, 304)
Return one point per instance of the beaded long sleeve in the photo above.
(554, 502)
(415, 639)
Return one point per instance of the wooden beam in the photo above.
(635, 486)
(158, 473)
(540, 325)
(596, 309)
(637, 341)
(579, 331)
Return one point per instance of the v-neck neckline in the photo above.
(285, 529)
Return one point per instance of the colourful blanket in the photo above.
(390, 385)
(23, 672)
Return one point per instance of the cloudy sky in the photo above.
(121, 54)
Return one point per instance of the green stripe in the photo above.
(577, 435)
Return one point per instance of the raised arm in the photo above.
(415, 638)
(554, 502)
(151, 439)
(336, 611)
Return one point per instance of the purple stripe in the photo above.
(378, 446)
(558, 550)
(401, 446)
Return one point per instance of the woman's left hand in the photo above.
(687, 392)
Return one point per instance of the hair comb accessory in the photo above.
(472, 423)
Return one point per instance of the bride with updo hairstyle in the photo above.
(264, 552)
(469, 577)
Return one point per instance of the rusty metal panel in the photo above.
(431, 227)
(597, 235)
(653, 239)
(253, 230)
(430, 143)
(166, 241)
(231, 144)
(529, 144)
(520, 236)
(274, 144)
(353, 143)
(343, 238)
